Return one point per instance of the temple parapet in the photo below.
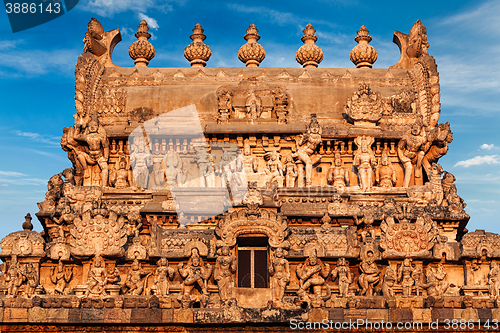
(251, 195)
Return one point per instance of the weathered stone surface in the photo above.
(277, 194)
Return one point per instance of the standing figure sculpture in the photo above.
(163, 273)
(306, 147)
(344, 274)
(290, 171)
(388, 283)
(172, 174)
(274, 169)
(14, 277)
(364, 160)
(97, 280)
(195, 274)
(225, 267)
(370, 274)
(493, 281)
(60, 278)
(206, 171)
(411, 151)
(338, 175)
(141, 161)
(279, 269)
(405, 277)
(225, 170)
(385, 175)
(95, 136)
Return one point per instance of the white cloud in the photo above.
(487, 146)
(484, 17)
(31, 63)
(108, 8)
(17, 178)
(152, 23)
(478, 160)
(53, 140)
(11, 174)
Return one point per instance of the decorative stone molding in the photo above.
(365, 107)
(309, 55)
(252, 53)
(408, 239)
(142, 51)
(238, 223)
(98, 233)
(197, 52)
(363, 55)
(26, 243)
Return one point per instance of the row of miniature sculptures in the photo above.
(252, 53)
(312, 275)
(416, 150)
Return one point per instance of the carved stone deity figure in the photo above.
(439, 138)
(14, 277)
(172, 169)
(388, 282)
(274, 168)
(493, 281)
(344, 274)
(290, 171)
(134, 283)
(385, 175)
(195, 274)
(313, 273)
(306, 147)
(120, 175)
(95, 136)
(31, 278)
(225, 171)
(225, 267)
(416, 274)
(279, 270)
(411, 151)
(112, 274)
(370, 274)
(97, 279)
(61, 277)
(225, 106)
(141, 161)
(67, 216)
(405, 277)
(364, 160)
(163, 273)
(74, 149)
(207, 176)
(338, 175)
(451, 198)
(436, 281)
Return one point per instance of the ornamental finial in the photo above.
(363, 54)
(142, 51)
(197, 52)
(309, 55)
(252, 53)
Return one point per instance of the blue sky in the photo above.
(37, 76)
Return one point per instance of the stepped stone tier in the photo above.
(238, 197)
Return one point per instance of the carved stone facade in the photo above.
(252, 195)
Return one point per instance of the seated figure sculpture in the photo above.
(195, 274)
(312, 273)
